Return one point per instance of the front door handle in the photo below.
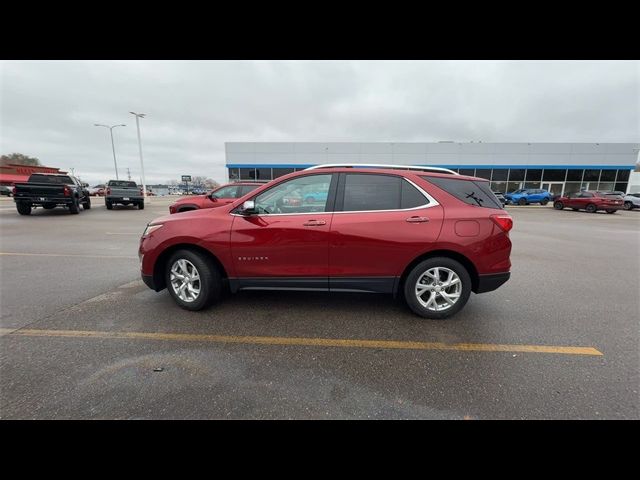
(418, 219)
(314, 223)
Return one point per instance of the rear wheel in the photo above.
(192, 280)
(628, 206)
(87, 204)
(522, 201)
(591, 208)
(559, 205)
(74, 207)
(437, 288)
(109, 205)
(140, 205)
(544, 201)
(23, 208)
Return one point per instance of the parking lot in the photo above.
(83, 337)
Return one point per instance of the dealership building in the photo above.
(560, 168)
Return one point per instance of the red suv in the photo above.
(216, 198)
(591, 201)
(432, 236)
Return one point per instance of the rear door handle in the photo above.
(314, 223)
(418, 219)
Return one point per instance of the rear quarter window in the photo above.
(471, 192)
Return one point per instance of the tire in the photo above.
(522, 201)
(611, 211)
(558, 205)
(591, 208)
(23, 208)
(210, 281)
(87, 205)
(74, 207)
(109, 205)
(49, 206)
(628, 206)
(544, 201)
(141, 206)
(419, 271)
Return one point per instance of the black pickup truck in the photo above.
(50, 191)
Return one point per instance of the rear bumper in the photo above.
(36, 200)
(488, 283)
(121, 199)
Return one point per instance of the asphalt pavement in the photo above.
(82, 337)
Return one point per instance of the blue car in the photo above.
(525, 196)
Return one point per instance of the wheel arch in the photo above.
(158, 268)
(187, 208)
(466, 263)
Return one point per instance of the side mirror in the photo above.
(213, 198)
(248, 208)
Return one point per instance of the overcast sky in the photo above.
(48, 108)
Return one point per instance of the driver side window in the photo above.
(299, 195)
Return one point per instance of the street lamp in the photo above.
(144, 185)
(112, 146)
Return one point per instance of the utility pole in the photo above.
(128, 174)
(144, 186)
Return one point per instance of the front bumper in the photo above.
(488, 283)
(148, 281)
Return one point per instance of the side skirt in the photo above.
(319, 284)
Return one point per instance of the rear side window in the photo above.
(471, 192)
(364, 192)
(246, 189)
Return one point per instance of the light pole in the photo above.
(144, 185)
(113, 148)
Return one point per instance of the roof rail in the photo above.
(381, 165)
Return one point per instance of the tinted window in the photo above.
(278, 172)
(516, 175)
(483, 173)
(608, 176)
(371, 192)
(591, 175)
(623, 175)
(247, 173)
(554, 175)
(411, 197)
(263, 173)
(586, 195)
(122, 184)
(474, 193)
(574, 175)
(534, 175)
(467, 171)
(35, 178)
(621, 186)
(500, 174)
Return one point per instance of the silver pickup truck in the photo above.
(124, 193)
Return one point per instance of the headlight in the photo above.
(150, 228)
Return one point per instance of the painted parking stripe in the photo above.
(18, 254)
(312, 342)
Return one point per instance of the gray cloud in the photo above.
(48, 108)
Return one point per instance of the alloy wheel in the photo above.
(438, 289)
(185, 280)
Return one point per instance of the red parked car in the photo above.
(216, 198)
(591, 201)
(433, 237)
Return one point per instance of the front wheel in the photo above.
(192, 280)
(628, 206)
(558, 205)
(522, 201)
(591, 208)
(87, 204)
(141, 206)
(544, 201)
(109, 205)
(437, 288)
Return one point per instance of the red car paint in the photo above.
(338, 250)
(591, 201)
(197, 202)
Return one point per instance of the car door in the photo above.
(286, 243)
(381, 223)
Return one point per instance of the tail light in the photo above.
(505, 222)
(67, 191)
(108, 191)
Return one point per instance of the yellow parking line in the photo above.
(17, 254)
(316, 342)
